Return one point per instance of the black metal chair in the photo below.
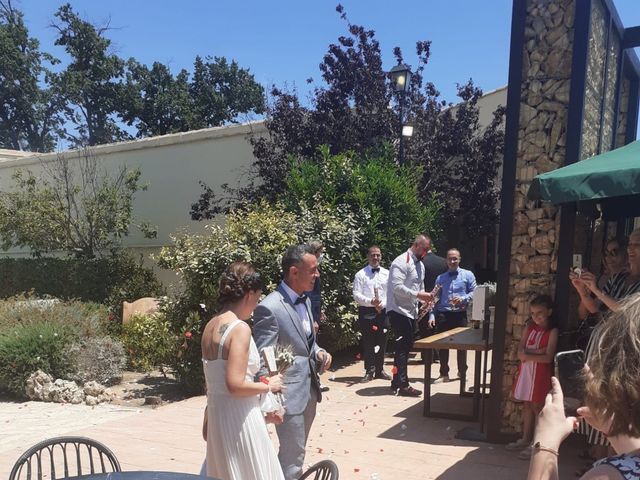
(64, 457)
(324, 470)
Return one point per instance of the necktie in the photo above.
(374, 270)
(301, 299)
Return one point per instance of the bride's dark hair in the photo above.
(236, 281)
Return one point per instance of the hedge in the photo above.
(108, 280)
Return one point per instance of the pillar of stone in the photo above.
(556, 39)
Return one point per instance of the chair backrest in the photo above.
(64, 457)
(324, 470)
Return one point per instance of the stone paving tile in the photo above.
(362, 427)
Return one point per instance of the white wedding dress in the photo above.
(238, 443)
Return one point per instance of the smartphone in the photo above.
(570, 374)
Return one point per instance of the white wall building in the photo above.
(172, 165)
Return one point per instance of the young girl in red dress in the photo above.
(533, 380)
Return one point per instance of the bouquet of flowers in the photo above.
(277, 360)
(284, 357)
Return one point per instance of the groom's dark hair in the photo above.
(294, 256)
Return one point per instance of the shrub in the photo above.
(147, 341)
(259, 234)
(85, 320)
(373, 184)
(107, 280)
(29, 347)
(99, 359)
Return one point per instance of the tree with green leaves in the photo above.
(218, 92)
(374, 188)
(73, 206)
(356, 110)
(92, 83)
(30, 110)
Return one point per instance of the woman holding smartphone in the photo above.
(601, 301)
(612, 382)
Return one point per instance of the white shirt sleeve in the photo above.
(359, 290)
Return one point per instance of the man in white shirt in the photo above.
(370, 293)
(405, 289)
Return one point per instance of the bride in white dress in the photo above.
(238, 443)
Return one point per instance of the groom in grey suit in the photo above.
(284, 317)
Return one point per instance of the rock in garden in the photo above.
(93, 389)
(39, 386)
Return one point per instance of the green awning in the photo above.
(611, 174)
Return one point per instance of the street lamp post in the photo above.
(401, 82)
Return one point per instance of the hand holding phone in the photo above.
(570, 374)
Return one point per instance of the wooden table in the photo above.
(460, 338)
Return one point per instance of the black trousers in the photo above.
(373, 326)
(447, 321)
(403, 327)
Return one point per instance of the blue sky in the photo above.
(283, 42)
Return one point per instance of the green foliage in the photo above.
(356, 110)
(373, 184)
(84, 320)
(147, 341)
(73, 206)
(217, 93)
(29, 114)
(109, 280)
(27, 348)
(92, 83)
(65, 339)
(84, 100)
(260, 234)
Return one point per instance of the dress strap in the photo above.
(223, 338)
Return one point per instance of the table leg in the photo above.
(478, 388)
(428, 360)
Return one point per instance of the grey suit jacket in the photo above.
(275, 321)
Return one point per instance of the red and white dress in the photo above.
(533, 380)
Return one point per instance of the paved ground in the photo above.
(362, 427)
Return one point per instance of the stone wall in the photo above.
(623, 112)
(544, 105)
(546, 79)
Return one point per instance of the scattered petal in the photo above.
(356, 470)
(394, 370)
(399, 338)
(374, 328)
(403, 426)
(319, 450)
(357, 356)
(376, 349)
(384, 330)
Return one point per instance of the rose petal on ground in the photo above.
(376, 349)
